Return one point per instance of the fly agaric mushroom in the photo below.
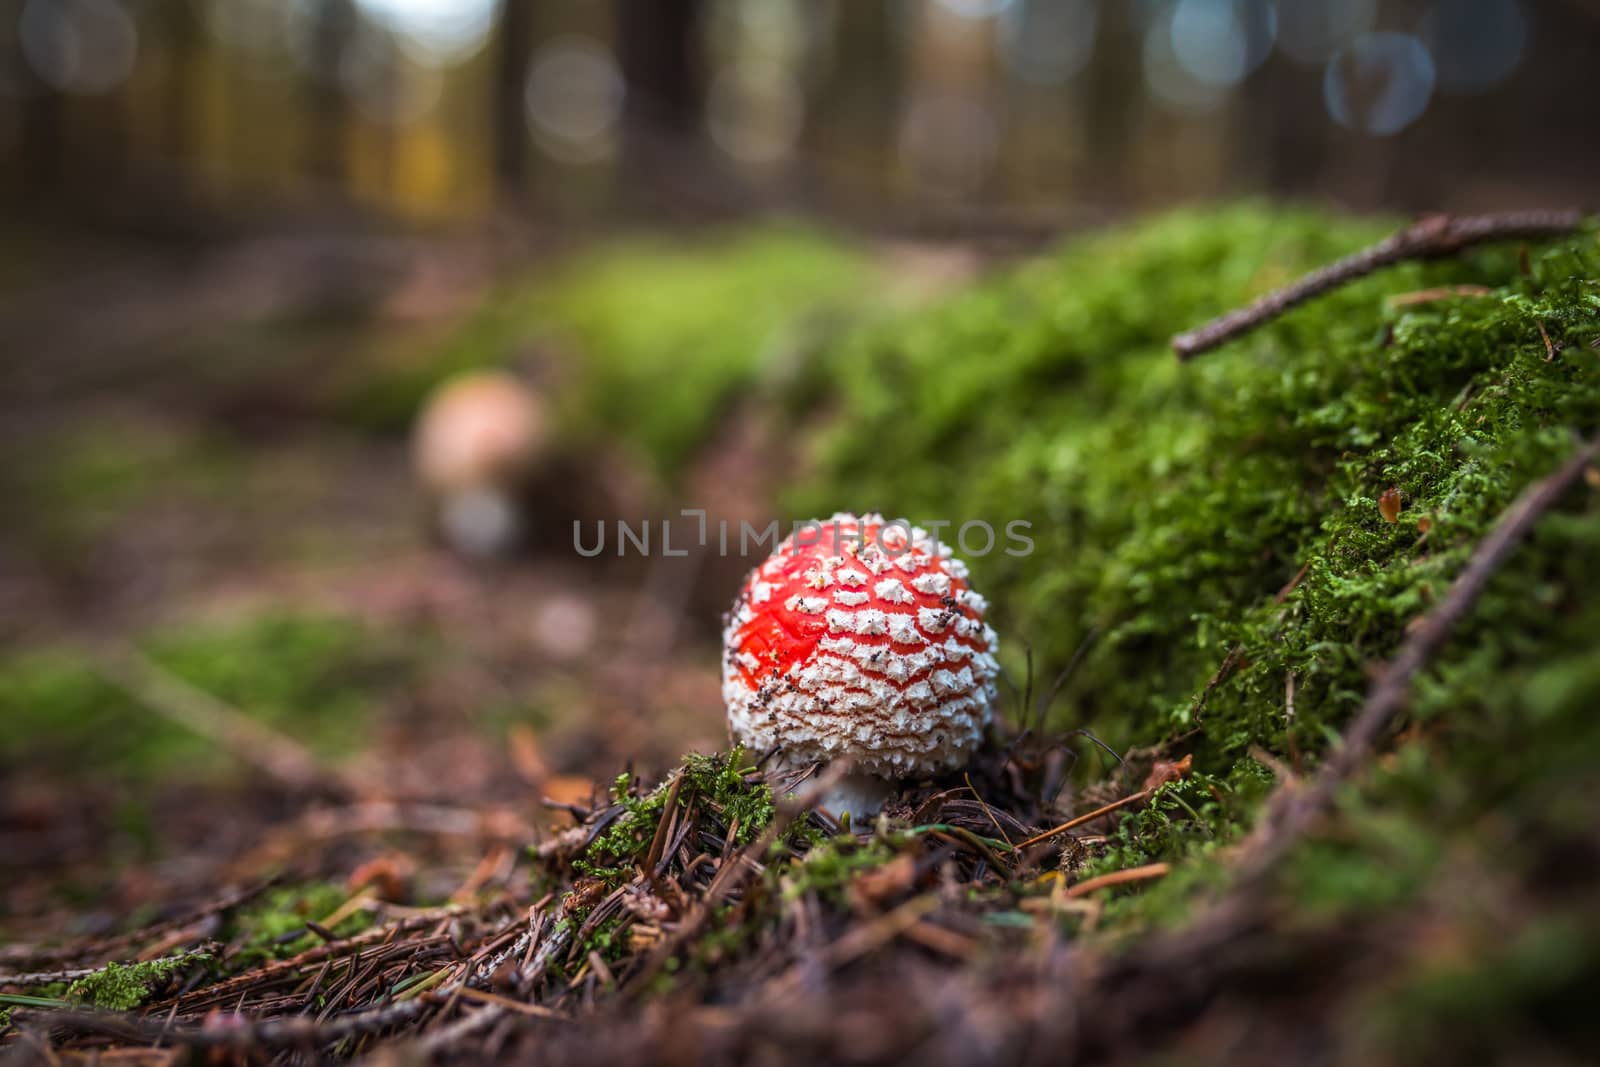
(477, 441)
(863, 642)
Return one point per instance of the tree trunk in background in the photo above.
(658, 48)
(1114, 94)
(41, 134)
(1281, 133)
(336, 25)
(510, 118)
(849, 136)
(182, 46)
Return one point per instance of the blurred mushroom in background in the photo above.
(478, 443)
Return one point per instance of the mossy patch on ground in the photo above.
(114, 987)
(88, 477)
(275, 926)
(317, 676)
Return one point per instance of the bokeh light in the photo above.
(435, 31)
(1309, 31)
(1476, 44)
(574, 99)
(78, 46)
(755, 120)
(1218, 42)
(975, 9)
(258, 26)
(384, 85)
(1170, 82)
(1046, 42)
(763, 56)
(1380, 83)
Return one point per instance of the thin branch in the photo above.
(1061, 679)
(178, 701)
(1088, 817)
(1122, 877)
(1434, 235)
(74, 973)
(23, 955)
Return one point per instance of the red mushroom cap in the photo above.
(863, 641)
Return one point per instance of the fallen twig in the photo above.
(1122, 877)
(1073, 823)
(178, 701)
(17, 955)
(74, 973)
(1434, 235)
(1443, 292)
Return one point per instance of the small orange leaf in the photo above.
(1389, 505)
(1164, 772)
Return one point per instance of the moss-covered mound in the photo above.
(1171, 504)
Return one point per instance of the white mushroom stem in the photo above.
(481, 522)
(858, 794)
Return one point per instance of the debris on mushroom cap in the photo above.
(479, 429)
(861, 642)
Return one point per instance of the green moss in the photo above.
(722, 779)
(317, 676)
(1535, 987)
(125, 986)
(1171, 503)
(667, 336)
(832, 863)
(89, 478)
(717, 781)
(264, 931)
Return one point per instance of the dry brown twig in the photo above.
(1088, 817)
(72, 974)
(178, 701)
(1428, 237)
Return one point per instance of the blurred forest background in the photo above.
(189, 117)
(244, 238)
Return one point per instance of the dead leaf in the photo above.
(586, 893)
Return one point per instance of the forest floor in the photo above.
(285, 780)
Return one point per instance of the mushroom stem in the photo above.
(481, 522)
(859, 794)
